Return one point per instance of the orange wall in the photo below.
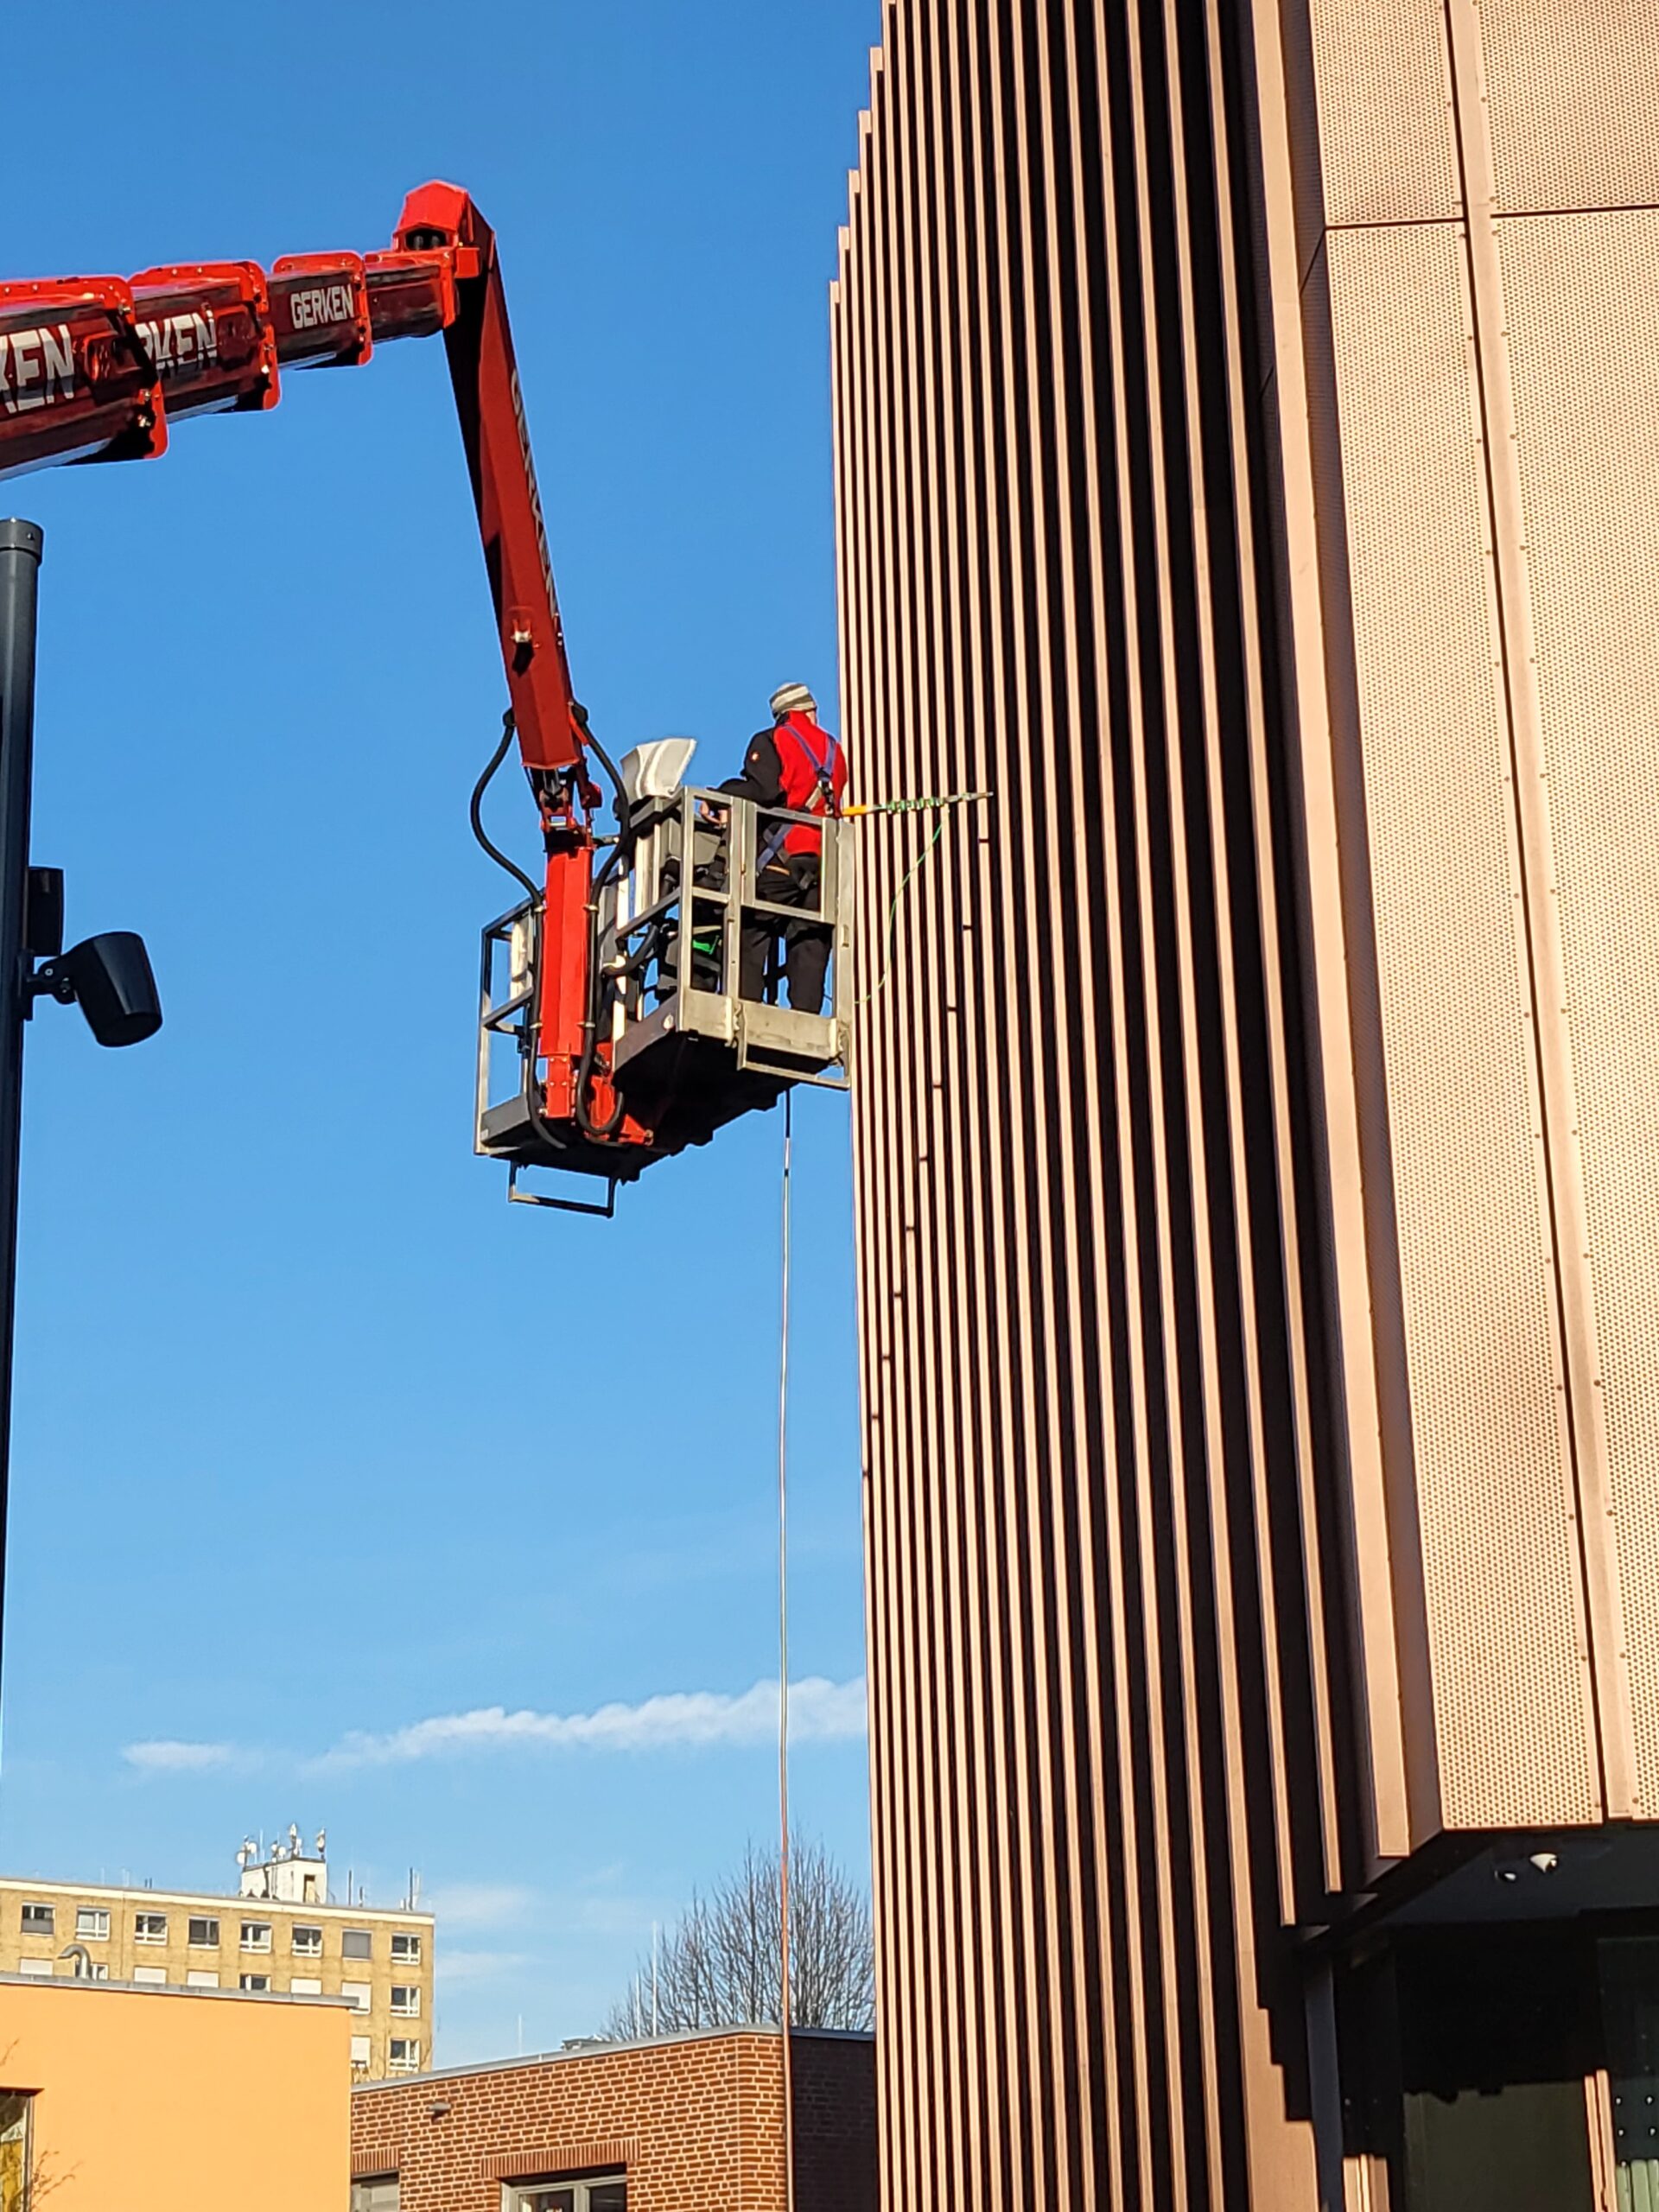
(176, 2100)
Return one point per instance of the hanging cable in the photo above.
(935, 802)
(914, 870)
(783, 1678)
(508, 727)
(591, 1124)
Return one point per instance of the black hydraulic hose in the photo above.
(508, 728)
(590, 1124)
(579, 714)
(544, 1129)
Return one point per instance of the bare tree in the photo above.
(720, 1965)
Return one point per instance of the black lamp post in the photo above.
(109, 976)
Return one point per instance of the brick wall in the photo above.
(835, 2123)
(696, 2122)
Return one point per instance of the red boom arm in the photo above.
(94, 369)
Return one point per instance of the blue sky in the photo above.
(318, 1442)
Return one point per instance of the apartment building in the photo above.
(278, 1934)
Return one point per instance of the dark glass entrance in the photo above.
(1499, 2059)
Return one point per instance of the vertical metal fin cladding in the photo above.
(1089, 1635)
(1246, 471)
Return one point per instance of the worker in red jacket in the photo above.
(799, 764)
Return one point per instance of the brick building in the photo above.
(688, 2123)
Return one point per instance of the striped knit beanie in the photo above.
(793, 699)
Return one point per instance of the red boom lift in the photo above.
(627, 1033)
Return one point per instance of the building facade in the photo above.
(1245, 472)
(685, 2123)
(279, 1937)
(173, 2100)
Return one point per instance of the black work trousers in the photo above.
(792, 882)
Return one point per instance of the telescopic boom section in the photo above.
(95, 369)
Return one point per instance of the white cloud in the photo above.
(819, 1711)
(479, 1905)
(165, 1755)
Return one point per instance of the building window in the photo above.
(405, 1950)
(256, 1935)
(257, 1983)
(405, 2001)
(308, 1942)
(404, 2056)
(356, 1943)
(93, 1923)
(202, 1978)
(360, 2051)
(156, 1975)
(358, 1993)
(305, 1984)
(375, 2192)
(99, 1970)
(34, 1965)
(150, 1927)
(38, 1920)
(15, 2106)
(204, 1934)
(604, 2193)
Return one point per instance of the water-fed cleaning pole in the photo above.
(915, 805)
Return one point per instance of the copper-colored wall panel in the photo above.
(1574, 91)
(1385, 145)
(1236, 1494)
(1494, 1490)
(1584, 353)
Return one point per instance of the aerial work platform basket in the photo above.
(677, 1044)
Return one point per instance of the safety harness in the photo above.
(819, 771)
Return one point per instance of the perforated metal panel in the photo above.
(1573, 97)
(1583, 301)
(1385, 140)
(1493, 1486)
